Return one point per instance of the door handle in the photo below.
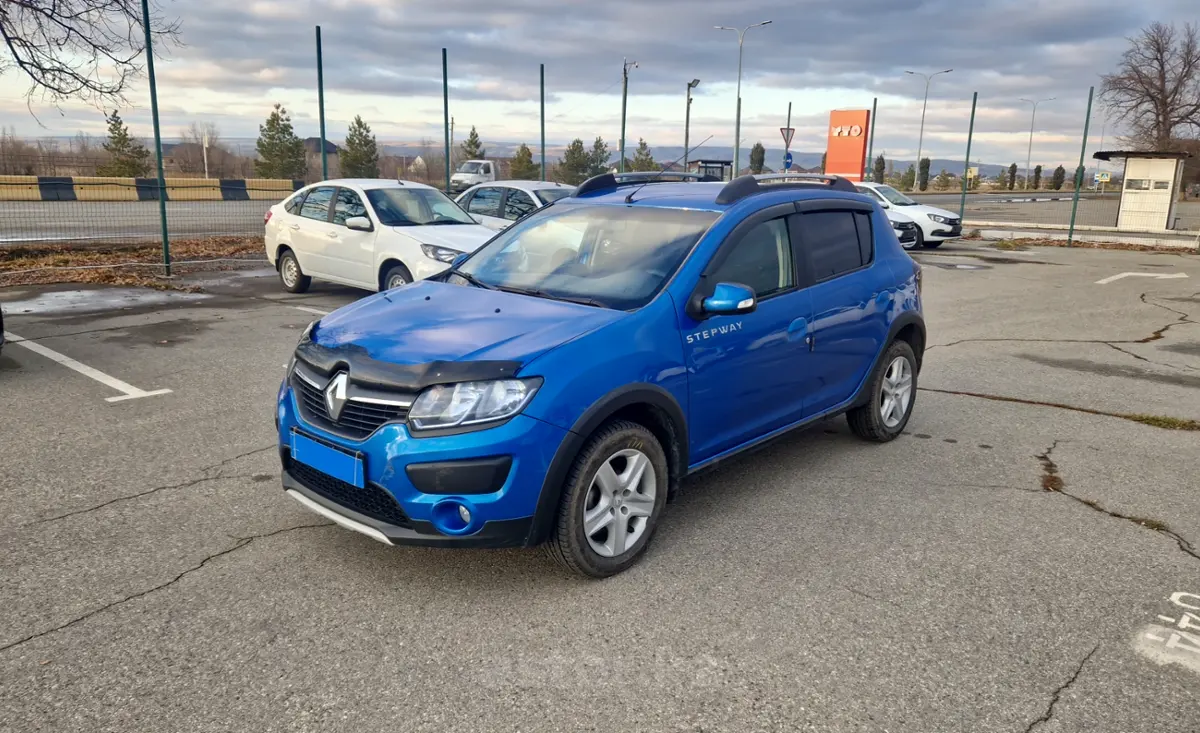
(331, 235)
(294, 227)
(798, 329)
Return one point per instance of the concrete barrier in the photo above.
(97, 188)
(19, 188)
(103, 188)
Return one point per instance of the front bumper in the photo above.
(946, 232)
(410, 483)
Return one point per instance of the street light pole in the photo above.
(737, 124)
(624, 98)
(924, 105)
(687, 120)
(1029, 151)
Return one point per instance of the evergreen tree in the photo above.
(758, 158)
(878, 173)
(598, 158)
(472, 148)
(1012, 176)
(523, 168)
(1079, 177)
(575, 163)
(942, 182)
(1036, 183)
(280, 151)
(923, 178)
(642, 159)
(909, 179)
(360, 155)
(1059, 178)
(1002, 180)
(128, 158)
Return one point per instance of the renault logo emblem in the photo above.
(335, 395)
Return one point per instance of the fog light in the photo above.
(463, 514)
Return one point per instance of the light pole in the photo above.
(624, 98)
(737, 125)
(1029, 152)
(921, 137)
(687, 119)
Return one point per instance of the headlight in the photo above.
(307, 334)
(441, 254)
(938, 219)
(897, 225)
(470, 403)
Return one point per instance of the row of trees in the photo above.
(918, 178)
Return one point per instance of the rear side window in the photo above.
(316, 204)
(866, 239)
(832, 241)
(486, 202)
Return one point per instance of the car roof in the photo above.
(525, 185)
(702, 195)
(370, 183)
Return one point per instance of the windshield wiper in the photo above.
(581, 300)
(442, 222)
(471, 279)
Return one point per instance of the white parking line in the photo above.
(129, 392)
(314, 311)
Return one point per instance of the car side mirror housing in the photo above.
(460, 259)
(730, 299)
(885, 204)
(359, 224)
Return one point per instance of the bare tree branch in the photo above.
(79, 49)
(1156, 88)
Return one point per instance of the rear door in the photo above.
(485, 206)
(313, 235)
(850, 299)
(352, 254)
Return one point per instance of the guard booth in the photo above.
(1151, 187)
(722, 169)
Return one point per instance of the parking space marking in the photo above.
(1154, 275)
(129, 392)
(314, 311)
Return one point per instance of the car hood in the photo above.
(926, 210)
(462, 237)
(901, 217)
(434, 321)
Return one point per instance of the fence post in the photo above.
(162, 184)
(321, 106)
(962, 206)
(446, 114)
(871, 142)
(1078, 174)
(542, 74)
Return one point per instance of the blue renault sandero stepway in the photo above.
(556, 386)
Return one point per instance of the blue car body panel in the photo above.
(729, 382)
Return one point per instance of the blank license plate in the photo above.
(339, 464)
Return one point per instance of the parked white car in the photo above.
(373, 234)
(934, 225)
(497, 205)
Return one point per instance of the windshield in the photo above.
(470, 167)
(611, 256)
(894, 196)
(399, 207)
(550, 195)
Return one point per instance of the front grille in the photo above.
(372, 501)
(358, 419)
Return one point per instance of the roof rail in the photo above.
(608, 181)
(743, 186)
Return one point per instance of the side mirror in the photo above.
(359, 224)
(460, 259)
(730, 299)
(885, 204)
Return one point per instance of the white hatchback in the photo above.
(374, 234)
(498, 204)
(934, 225)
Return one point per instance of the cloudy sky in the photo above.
(383, 61)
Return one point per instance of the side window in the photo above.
(465, 201)
(347, 206)
(487, 169)
(517, 204)
(762, 260)
(293, 205)
(316, 204)
(831, 238)
(866, 237)
(485, 202)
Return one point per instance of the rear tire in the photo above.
(919, 242)
(291, 277)
(606, 520)
(396, 276)
(893, 393)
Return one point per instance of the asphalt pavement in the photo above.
(1022, 559)
(24, 222)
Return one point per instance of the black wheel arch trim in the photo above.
(592, 418)
(905, 319)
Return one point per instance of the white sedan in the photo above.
(374, 234)
(498, 204)
(934, 225)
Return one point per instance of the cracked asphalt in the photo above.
(996, 569)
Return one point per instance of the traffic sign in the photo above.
(787, 161)
(973, 172)
(1103, 177)
(787, 133)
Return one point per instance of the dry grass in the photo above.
(137, 265)
(1025, 243)
(1165, 422)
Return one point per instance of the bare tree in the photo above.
(1155, 90)
(78, 49)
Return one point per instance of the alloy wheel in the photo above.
(896, 392)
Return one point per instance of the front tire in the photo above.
(612, 501)
(291, 277)
(893, 390)
(396, 276)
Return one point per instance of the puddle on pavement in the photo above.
(1102, 369)
(160, 334)
(91, 301)
(234, 277)
(1189, 348)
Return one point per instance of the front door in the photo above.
(743, 370)
(485, 207)
(352, 254)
